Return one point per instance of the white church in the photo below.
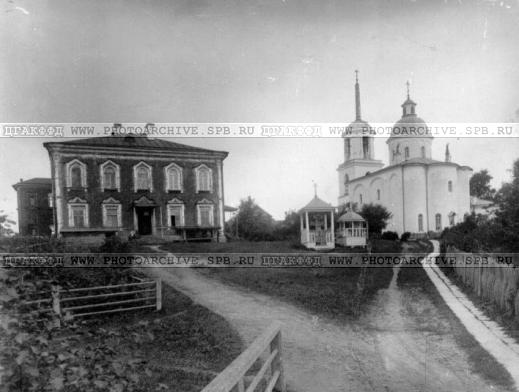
(423, 194)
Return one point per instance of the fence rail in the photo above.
(84, 301)
(232, 379)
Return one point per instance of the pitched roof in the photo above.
(34, 181)
(351, 216)
(132, 141)
(317, 204)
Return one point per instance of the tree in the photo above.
(508, 214)
(289, 227)
(254, 223)
(5, 225)
(480, 185)
(376, 216)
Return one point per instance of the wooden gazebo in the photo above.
(353, 230)
(317, 229)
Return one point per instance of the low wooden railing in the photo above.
(88, 301)
(233, 378)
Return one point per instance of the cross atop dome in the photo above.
(409, 105)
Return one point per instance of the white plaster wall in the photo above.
(414, 143)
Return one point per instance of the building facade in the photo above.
(34, 198)
(423, 195)
(136, 185)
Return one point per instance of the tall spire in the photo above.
(357, 96)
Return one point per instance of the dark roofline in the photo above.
(33, 181)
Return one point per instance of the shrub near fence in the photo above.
(497, 283)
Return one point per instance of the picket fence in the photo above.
(494, 282)
(233, 378)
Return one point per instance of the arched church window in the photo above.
(423, 151)
(365, 146)
(360, 198)
(449, 186)
(438, 219)
(406, 153)
(378, 194)
(420, 222)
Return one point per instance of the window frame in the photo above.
(198, 169)
(83, 172)
(167, 181)
(450, 186)
(111, 202)
(77, 202)
(117, 169)
(199, 205)
(420, 223)
(135, 178)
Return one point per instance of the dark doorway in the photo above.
(144, 219)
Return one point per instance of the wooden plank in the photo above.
(150, 282)
(126, 301)
(272, 382)
(257, 378)
(113, 310)
(227, 379)
(158, 294)
(107, 295)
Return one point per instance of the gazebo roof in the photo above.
(351, 216)
(317, 204)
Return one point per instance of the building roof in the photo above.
(477, 202)
(409, 162)
(317, 204)
(132, 141)
(33, 181)
(351, 216)
(402, 127)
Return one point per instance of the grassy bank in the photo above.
(330, 292)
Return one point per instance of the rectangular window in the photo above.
(206, 215)
(78, 216)
(112, 216)
(438, 222)
(32, 200)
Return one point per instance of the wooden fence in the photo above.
(270, 376)
(89, 301)
(498, 283)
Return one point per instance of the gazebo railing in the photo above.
(355, 232)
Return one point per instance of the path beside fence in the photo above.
(487, 332)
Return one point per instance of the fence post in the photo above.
(158, 286)
(56, 306)
(277, 363)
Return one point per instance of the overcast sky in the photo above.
(259, 61)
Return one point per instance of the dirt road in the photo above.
(382, 352)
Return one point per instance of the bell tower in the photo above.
(359, 154)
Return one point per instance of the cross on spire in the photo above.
(315, 188)
(357, 76)
(408, 84)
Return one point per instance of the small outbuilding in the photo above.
(353, 230)
(317, 228)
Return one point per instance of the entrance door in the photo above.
(144, 220)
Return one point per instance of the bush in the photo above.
(405, 236)
(114, 244)
(389, 235)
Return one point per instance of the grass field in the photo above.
(327, 292)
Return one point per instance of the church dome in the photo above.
(410, 125)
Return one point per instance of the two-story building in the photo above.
(135, 184)
(34, 198)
